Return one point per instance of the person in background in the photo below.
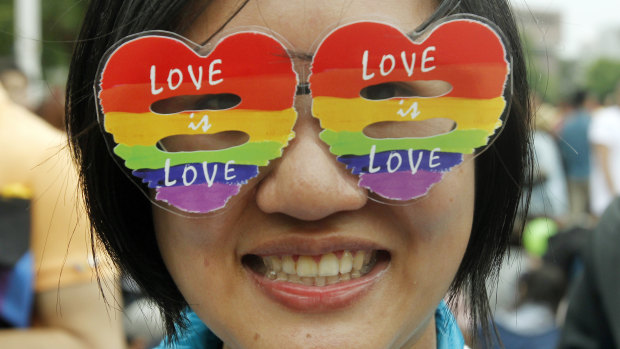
(52, 109)
(575, 149)
(15, 84)
(531, 324)
(593, 316)
(49, 296)
(605, 171)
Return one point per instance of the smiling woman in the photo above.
(387, 188)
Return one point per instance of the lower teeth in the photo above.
(313, 281)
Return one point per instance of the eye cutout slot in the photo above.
(410, 129)
(210, 142)
(400, 89)
(179, 104)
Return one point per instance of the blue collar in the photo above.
(448, 333)
(198, 336)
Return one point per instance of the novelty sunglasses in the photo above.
(192, 124)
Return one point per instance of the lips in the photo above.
(300, 278)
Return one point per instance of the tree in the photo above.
(61, 20)
(603, 76)
(541, 80)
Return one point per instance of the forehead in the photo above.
(302, 22)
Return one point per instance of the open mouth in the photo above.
(316, 270)
(318, 282)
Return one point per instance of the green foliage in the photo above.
(540, 80)
(61, 24)
(602, 77)
(61, 20)
(6, 28)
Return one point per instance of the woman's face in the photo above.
(306, 215)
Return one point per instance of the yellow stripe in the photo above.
(342, 114)
(149, 128)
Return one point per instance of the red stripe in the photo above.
(254, 66)
(468, 55)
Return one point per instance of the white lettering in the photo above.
(227, 169)
(431, 164)
(413, 110)
(395, 160)
(204, 122)
(167, 181)
(382, 64)
(414, 167)
(206, 173)
(213, 71)
(388, 63)
(372, 169)
(408, 67)
(195, 174)
(196, 74)
(365, 75)
(389, 162)
(177, 72)
(197, 81)
(426, 59)
(154, 91)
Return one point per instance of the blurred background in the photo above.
(36, 38)
(573, 56)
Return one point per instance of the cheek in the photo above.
(438, 228)
(189, 250)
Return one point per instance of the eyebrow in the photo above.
(305, 56)
(302, 89)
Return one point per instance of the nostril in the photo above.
(308, 201)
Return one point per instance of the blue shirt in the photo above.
(198, 336)
(575, 146)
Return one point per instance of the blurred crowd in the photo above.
(559, 287)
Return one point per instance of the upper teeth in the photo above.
(329, 265)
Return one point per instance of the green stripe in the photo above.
(150, 157)
(356, 143)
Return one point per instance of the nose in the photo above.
(308, 182)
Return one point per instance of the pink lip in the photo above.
(319, 299)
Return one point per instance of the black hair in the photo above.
(502, 174)
(130, 239)
(578, 99)
(543, 285)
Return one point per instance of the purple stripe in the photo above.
(237, 174)
(419, 159)
(198, 198)
(400, 185)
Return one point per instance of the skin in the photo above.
(308, 198)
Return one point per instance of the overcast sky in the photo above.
(582, 20)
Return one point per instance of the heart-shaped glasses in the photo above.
(398, 111)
